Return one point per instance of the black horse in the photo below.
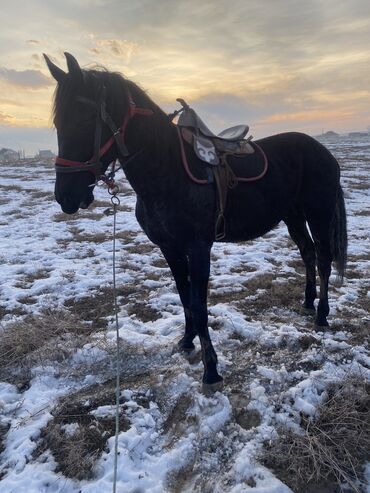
(300, 187)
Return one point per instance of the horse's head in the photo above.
(86, 144)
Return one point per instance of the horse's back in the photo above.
(302, 174)
(319, 171)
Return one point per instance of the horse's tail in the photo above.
(339, 236)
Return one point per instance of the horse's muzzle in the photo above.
(84, 204)
(71, 206)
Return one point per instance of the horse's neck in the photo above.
(156, 163)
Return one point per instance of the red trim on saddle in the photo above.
(133, 110)
(206, 182)
(265, 166)
(185, 162)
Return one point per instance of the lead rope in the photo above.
(115, 203)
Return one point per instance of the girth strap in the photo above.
(225, 180)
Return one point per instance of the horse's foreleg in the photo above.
(178, 263)
(199, 268)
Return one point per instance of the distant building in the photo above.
(8, 155)
(46, 154)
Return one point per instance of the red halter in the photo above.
(93, 164)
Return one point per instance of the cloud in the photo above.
(294, 62)
(309, 116)
(25, 78)
(220, 110)
(10, 102)
(116, 47)
(6, 119)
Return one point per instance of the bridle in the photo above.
(94, 165)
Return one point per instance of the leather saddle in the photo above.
(209, 147)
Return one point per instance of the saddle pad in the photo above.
(246, 167)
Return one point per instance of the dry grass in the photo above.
(94, 309)
(76, 452)
(98, 307)
(80, 236)
(62, 217)
(28, 279)
(362, 213)
(37, 339)
(4, 428)
(362, 185)
(12, 188)
(332, 447)
(141, 248)
(143, 312)
(40, 194)
(267, 294)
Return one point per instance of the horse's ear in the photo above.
(73, 67)
(55, 71)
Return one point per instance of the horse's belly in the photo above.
(249, 230)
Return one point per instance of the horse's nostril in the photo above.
(84, 204)
(68, 201)
(68, 205)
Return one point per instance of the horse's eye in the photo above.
(85, 113)
(87, 119)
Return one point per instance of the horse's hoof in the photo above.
(210, 388)
(193, 357)
(311, 308)
(321, 325)
(307, 311)
(186, 351)
(185, 347)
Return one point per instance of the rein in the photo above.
(94, 164)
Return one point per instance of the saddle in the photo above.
(208, 146)
(214, 150)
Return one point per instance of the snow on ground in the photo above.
(174, 438)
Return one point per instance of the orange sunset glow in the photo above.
(275, 65)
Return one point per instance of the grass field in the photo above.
(294, 414)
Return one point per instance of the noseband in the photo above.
(94, 164)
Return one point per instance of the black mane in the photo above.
(157, 128)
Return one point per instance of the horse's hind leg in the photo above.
(320, 228)
(178, 263)
(298, 231)
(324, 260)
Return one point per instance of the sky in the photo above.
(276, 65)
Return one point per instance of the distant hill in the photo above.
(358, 134)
